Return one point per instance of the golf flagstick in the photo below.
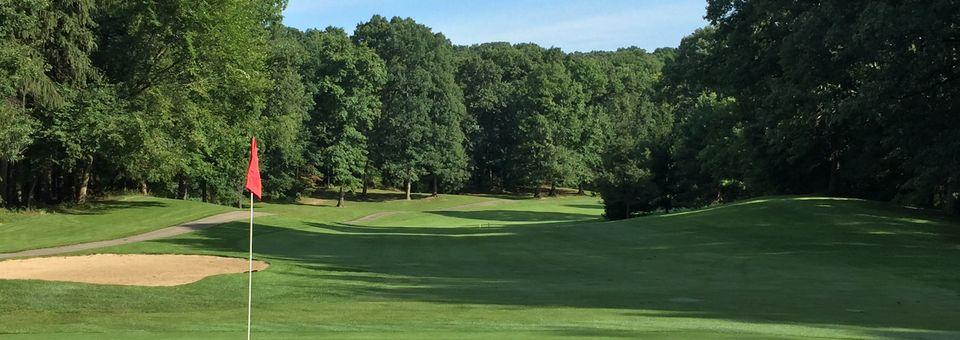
(253, 185)
(250, 272)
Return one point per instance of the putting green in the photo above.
(450, 267)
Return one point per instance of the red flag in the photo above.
(253, 170)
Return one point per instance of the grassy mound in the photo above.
(459, 266)
(100, 220)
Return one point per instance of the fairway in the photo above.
(461, 266)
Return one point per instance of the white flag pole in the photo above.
(250, 272)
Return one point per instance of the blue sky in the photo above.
(573, 25)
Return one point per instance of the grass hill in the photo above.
(101, 220)
(475, 266)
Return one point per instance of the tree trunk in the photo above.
(553, 189)
(626, 213)
(66, 187)
(580, 189)
(84, 181)
(436, 190)
(340, 199)
(408, 189)
(950, 204)
(30, 183)
(182, 187)
(203, 192)
(13, 188)
(4, 179)
(144, 190)
(366, 172)
(10, 184)
(32, 189)
(46, 185)
(53, 194)
(833, 185)
(536, 191)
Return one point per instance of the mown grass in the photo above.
(779, 267)
(96, 221)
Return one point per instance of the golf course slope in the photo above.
(97, 221)
(457, 267)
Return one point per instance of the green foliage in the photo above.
(851, 98)
(551, 111)
(194, 80)
(492, 76)
(846, 98)
(345, 80)
(281, 125)
(421, 130)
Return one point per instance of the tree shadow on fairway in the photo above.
(494, 216)
(585, 206)
(802, 264)
(106, 206)
(370, 196)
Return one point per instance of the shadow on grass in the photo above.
(369, 197)
(798, 265)
(585, 206)
(106, 206)
(494, 216)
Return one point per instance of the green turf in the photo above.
(101, 220)
(455, 267)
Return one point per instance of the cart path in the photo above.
(202, 223)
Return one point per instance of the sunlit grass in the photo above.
(775, 267)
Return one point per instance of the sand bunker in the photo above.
(126, 269)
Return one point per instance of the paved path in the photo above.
(202, 223)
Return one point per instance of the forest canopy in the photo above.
(853, 99)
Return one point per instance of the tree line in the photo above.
(162, 97)
(853, 99)
(845, 98)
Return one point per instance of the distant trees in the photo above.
(846, 98)
(421, 130)
(851, 98)
(346, 81)
(492, 77)
(552, 114)
(842, 98)
(192, 78)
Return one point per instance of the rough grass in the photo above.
(780, 267)
(96, 221)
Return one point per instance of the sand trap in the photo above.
(126, 269)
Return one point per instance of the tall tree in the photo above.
(421, 130)
(193, 75)
(45, 50)
(283, 161)
(551, 125)
(345, 80)
(825, 88)
(492, 76)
